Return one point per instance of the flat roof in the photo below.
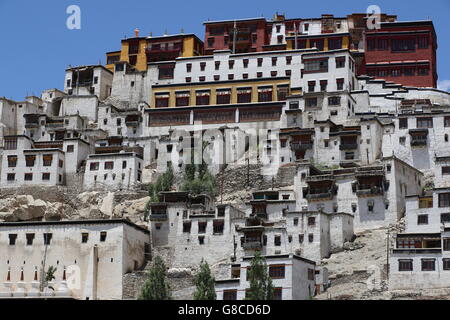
(74, 222)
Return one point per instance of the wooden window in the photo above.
(202, 227)
(340, 84)
(259, 74)
(202, 98)
(245, 76)
(48, 159)
(30, 161)
(11, 176)
(424, 122)
(70, 148)
(202, 78)
(187, 226)
(218, 226)
(428, 264)
(340, 62)
(182, 99)
(28, 177)
(94, 166)
(334, 43)
(217, 65)
(323, 85)
(61, 163)
(288, 60)
(334, 101)
(103, 235)
(223, 96)
(230, 295)
(403, 123)
(188, 79)
(311, 102)
(274, 61)
(273, 73)
(422, 219)
(311, 221)
(189, 67)
(301, 238)
(245, 63)
(444, 200)
(383, 44)
(30, 238)
(12, 161)
(166, 71)
(84, 237)
(260, 62)
(311, 238)
(423, 42)
(12, 239)
(46, 176)
(446, 264)
(47, 238)
(445, 171)
(162, 100)
(278, 294)
(401, 45)
(231, 76)
(231, 64)
(244, 95)
(405, 265)
(265, 94)
(277, 271)
(109, 165)
(446, 240)
(277, 241)
(202, 66)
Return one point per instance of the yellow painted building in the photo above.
(138, 51)
(309, 41)
(275, 89)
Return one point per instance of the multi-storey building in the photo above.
(420, 258)
(403, 52)
(293, 278)
(90, 258)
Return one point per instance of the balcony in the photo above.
(31, 125)
(348, 146)
(320, 178)
(253, 245)
(158, 217)
(419, 142)
(55, 124)
(302, 146)
(418, 251)
(318, 196)
(368, 191)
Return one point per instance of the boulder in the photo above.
(24, 200)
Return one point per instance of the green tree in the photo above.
(50, 274)
(261, 287)
(197, 178)
(156, 287)
(205, 283)
(163, 183)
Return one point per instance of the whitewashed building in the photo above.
(293, 278)
(90, 258)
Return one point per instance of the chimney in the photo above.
(136, 32)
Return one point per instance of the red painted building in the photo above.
(403, 52)
(252, 35)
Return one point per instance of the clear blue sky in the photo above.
(36, 46)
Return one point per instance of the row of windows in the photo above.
(324, 85)
(398, 45)
(223, 96)
(47, 237)
(113, 177)
(30, 161)
(29, 177)
(398, 72)
(426, 265)
(422, 123)
(108, 165)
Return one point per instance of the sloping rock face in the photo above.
(66, 206)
